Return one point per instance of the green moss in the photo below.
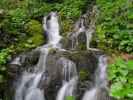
(35, 30)
(82, 47)
(66, 26)
(78, 55)
(83, 74)
(33, 27)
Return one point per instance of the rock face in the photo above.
(86, 63)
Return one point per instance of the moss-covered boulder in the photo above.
(35, 31)
(34, 27)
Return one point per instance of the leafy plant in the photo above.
(4, 56)
(70, 98)
(121, 76)
(114, 25)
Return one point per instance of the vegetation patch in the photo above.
(114, 27)
(121, 77)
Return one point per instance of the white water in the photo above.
(90, 95)
(68, 69)
(27, 88)
(52, 28)
(79, 28)
(70, 79)
(16, 61)
(35, 94)
(89, 34)
(67, 89)
(100, 80)
(101, 75)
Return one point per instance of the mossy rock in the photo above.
(66, 26)
(37, 39)
(34, 27)
(83, 74)
(35, 30)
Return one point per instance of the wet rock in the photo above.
(86, 61)
(75, 43)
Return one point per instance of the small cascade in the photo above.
(51, 27)
(69, 80)
(101, 75)
(89, 34)
(28, 86)
(69, 69)
(100, 81)
(91, 26)
(84, 27)
(67, 89)
(79, 28)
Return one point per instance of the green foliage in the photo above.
(4, 56)
(70, 98)
(35, 31)
(15, 20)
(33, 27)
(114, 24)
(121, 76)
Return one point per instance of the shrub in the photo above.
(121, 76)
(4, 56)
(114, 25)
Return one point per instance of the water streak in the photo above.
(100, 80)
(79, 28)
(67, 89)
(70, 78)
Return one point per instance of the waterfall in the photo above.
(69, 80)
(27, 87)
(100, 81)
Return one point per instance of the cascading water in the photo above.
(52, 29)
(67, 89)
(28, 88)
(79, 28)
(100, 80)
(69, 80)
(101, 76)
(89, 34)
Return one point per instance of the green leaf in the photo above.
(130, 64)
(70, 98)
